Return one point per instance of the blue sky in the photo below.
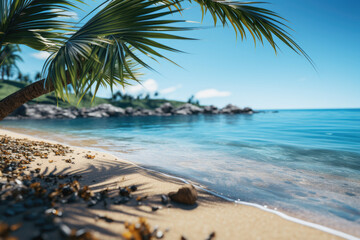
(219, 69)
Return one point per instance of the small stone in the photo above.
(121, 200)
(159, 234)
(165, 199)
(187, 194)
(124, 192)
(66, 191)
(133, 188)
(9, 213)
(92, 203)
(155, 208)
(211, 236)
(73, 198)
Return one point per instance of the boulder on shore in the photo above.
(188, 109)
(187, 194)
(166, 108)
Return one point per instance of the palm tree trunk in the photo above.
(15, 100)
(30, 92)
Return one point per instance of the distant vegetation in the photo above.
(118, 99)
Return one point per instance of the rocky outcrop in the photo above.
(44, 111)
(187, 109)
(232, 109)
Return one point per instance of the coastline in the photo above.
(212, 213)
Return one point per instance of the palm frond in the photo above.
(246, 18)
(35, 23)
(109, 48)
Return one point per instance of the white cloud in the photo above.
(41, 55)
(149, 86)
(211, 93)
(170, 89)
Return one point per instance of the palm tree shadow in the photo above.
(105, 174)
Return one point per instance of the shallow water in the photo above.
(303, 162)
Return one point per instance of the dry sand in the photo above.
(211, 214)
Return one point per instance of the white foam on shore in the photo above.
(280, 214)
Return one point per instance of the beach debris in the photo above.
(155, 208)
(6, 230)
(88, 156)
(165, 199)
(139, 198)
(53, 212)
(211, 236)
(137, 231)
(121, 200)
(68, 160)
(73, 234)
(187, 194)
(159, 234)
(125, 192)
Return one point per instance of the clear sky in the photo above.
(218, 69)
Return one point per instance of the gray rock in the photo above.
(46, 111)
(158, 111)
(182, 112)
(226, 111)
(211, 109)
(66, 114)
(189, 109)
(109, 109)
(98, 114)
(147, 112)
(129, 110)
(167, 108)
(231, 109)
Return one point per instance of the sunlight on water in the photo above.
(304, 162)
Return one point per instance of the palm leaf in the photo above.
(35, 23)
(246, 18)
(109, 48)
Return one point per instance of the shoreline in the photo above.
(317, 231)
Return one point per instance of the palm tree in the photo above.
(20, 76)
(9, 59)
(26, 78)
(37, 76)
(109, 45)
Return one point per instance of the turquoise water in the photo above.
(303, 162)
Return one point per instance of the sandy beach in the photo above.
(211, 214)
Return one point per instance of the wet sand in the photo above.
(211, 214)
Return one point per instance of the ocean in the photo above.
(305, 163)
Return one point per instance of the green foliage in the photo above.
(8, 60)
(105, 50)
(110, 45)
(9, 87)
(35, 23)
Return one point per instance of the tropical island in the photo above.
(47, 106)
(77, 166)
